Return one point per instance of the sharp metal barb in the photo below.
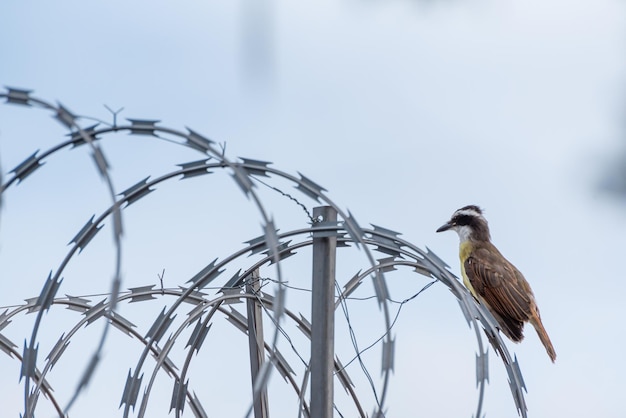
(194, 297)
(64, 116)
(4, 321)
(100, 160)
(386, 231)
(310, 188)
(178, 397)
(344, 378)
(352, 284)
(29, 361)
(518, 372)
(242, 179)
(86, 234)
(195, 168)
(136, 191)
(468, 309)
(353, 229)
(7, 345)
(48, 292)
(234, 282)
(141, 293)
(18, 96)
(77, 136)
(257, 245)
(143, 126)
(482, 367)
(95, 312)
(196, 407)
(271, 240)
(283, 366)
(255, 167)
(235, 296)
(380, 285)
(422, 269)
(199, 142)
(27, 167)
(386, 264)
(122, 323)
(77, 304)
(206, 275)
(169, 365)
(386, 245)
(517, 397)
(281, 252)
(32, 304)
(238, 320)
(305, 326)
(57, 350)
(436, 258)
(388, 355)
(160, 325)
(131, 390)
(198, 335)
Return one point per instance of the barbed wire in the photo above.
(358, 351)
(263, 280)
(395, 318)
(290, 197)
(271, 248)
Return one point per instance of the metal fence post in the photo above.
(255, 343)
(323, 315)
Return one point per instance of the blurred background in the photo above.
(404, 111)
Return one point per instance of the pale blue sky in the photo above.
(403, 110)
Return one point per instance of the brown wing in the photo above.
(502, 287)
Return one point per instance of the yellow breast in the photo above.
(464, 252)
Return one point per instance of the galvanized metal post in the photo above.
(323, 315)
(256, 344)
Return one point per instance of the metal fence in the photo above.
(246, 289)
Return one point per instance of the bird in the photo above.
(494, 281)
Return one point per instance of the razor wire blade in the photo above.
(215, 292)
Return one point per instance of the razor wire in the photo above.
(272, 247)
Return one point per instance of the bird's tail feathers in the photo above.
(543, 336)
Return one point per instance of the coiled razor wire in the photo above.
(271, 248)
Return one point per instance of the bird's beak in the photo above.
(445, 227)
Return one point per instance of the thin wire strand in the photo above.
(290, 197)
(304, 289)
(277, 325)
(284, 333)
(395, 319)
(344, 308)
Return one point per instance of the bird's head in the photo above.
(469, 223)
